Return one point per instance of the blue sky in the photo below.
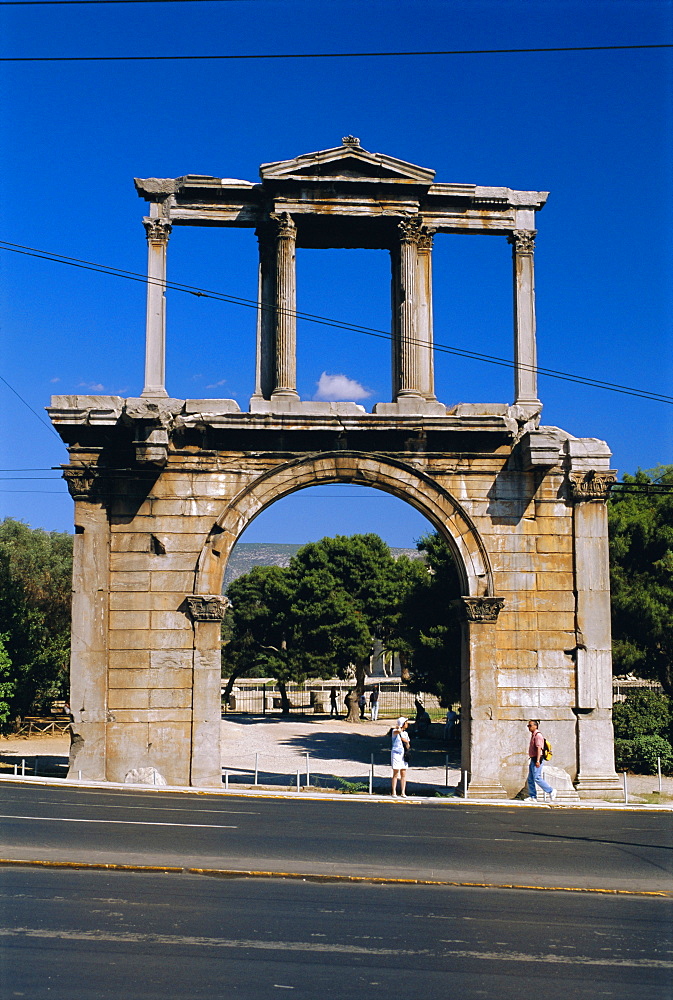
(593, 128)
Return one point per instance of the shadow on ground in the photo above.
(34, 765)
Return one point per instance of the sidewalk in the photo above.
(339, 758)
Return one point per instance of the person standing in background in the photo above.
(374, 703)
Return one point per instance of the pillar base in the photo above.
(293, 404)
(482, 788)
(410, 406)
(596, 786)
(87, 751)
(154, 392)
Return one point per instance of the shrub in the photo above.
(644, 713)
(624, 759)
(646, 749)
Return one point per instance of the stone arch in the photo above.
(392, 476)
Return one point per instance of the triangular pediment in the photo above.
(348, 162)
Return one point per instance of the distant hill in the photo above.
(245, 555)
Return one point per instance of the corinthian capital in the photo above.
(482, 609)
(411, 229)
(81, 482)
(426, 236)
(591, 485)
(523, 240)
(285, 225)
(157, 230)
(207, 608)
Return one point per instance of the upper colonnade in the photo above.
(350, 198)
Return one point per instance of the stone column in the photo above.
(158, 232)
(480, 749)
(89, 641)
(409, 362)
(525, 350)
(395, 320)
(424, 320)
(286, 305)
(595, 747)
(266, 315)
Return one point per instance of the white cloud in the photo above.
(216, 385)
(55, 379)
(340, 388)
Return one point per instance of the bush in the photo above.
(624, 755)
(646, 749)
(644, 713)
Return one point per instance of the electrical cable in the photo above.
(34, 412)
(325, 321)
(333, 55)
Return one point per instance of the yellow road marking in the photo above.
(318, 877)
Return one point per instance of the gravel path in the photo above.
(336, 749)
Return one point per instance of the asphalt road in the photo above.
(524, 845)
(83, 935)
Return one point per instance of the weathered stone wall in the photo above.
(523, 514)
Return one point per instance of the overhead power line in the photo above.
(325, 321)
(332, 55)
(25, 403)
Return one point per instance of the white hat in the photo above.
(400, 722)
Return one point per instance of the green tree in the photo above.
(7, 685)
(35, 596)
(371, 585)
(641, 576)
(290, 625)
(320, 616)
(429, 632)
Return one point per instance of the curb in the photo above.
(316, 796)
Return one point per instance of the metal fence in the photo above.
(624, 686)
(313, 698)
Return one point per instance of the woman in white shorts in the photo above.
(401, 742)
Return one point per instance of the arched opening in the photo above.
(472, 577)
(401, 480)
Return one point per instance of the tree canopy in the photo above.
(321, 615)
(429, 637)
(641, 575)
(35, 597)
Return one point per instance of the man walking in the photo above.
(374, 702)
(535, 751)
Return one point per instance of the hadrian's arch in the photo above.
(163, 487)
